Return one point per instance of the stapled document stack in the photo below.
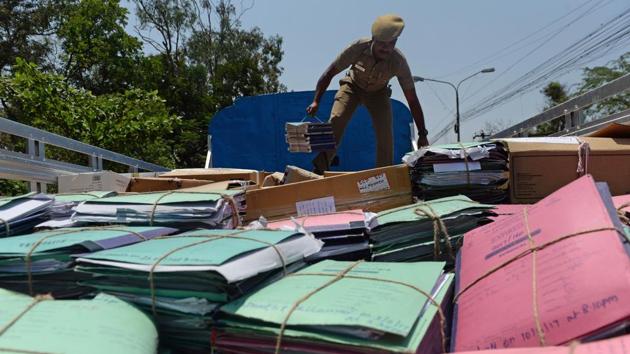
(342, 307)
(477, 170)
(343, 233)
(20, 214)
(560, 269)
(309, 137)
(180, 209)
(102, 325)
(181, 279)
(419, 231)
(41, 263)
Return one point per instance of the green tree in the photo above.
(26, 27)
(98, 54)
(600, 75)
(202, 67)
(238, 62)
(135, 123)
(555, 93)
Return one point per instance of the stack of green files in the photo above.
(373, 308)
(407, 233)
(103, 325)
(63, 207)
(174, 208)
(45, 256)
(182, 279)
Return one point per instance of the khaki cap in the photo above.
(387, 27)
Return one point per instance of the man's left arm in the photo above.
(409, 90)
(418, 116)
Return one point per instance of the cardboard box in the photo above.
(215, 174)
(371, 190)
(293, 174)
(93, 181)
(539, 167)
(221, 186)
(335, 173)
(152, 184)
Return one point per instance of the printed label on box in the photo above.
(374, 184)
(317, 206)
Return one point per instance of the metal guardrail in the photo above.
(590, 127)
(39, 170)
(570, 110)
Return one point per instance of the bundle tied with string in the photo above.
(533, 249)
(36, 301)
(439, 231)
(51, 234)
(206, 238)
(236, 220)
(583, 152)
(426, 230)
(345, 274)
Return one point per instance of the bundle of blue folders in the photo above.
(309, 136)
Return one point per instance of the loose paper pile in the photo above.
(408, 233)
(104, 325)
(309, 137)
(477, 170)
(41, 262)
(183, 278)
(176, 208)
(20, 214)
(343, 234)
(560, 268)
(365, 308)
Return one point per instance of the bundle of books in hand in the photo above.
(476, 170)
(309, 137)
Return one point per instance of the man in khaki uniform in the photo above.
(373, 62)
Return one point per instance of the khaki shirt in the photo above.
(369, 74)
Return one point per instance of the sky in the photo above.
(442, 39)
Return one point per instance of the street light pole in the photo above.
(456, 88)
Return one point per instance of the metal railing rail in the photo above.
(34, 167)
(570, 110)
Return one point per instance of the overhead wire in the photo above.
(607, 37)
(547, 37)
(522, 41)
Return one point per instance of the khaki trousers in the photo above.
(378, 104)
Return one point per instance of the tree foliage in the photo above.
(98, 54)
(599, 75)
(555, 93)
(71, 67)
(26, 27)
(592, 78)
(134, 123)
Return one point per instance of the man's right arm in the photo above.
(322, 85)
(343, 60)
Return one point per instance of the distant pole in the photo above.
(456, 88)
